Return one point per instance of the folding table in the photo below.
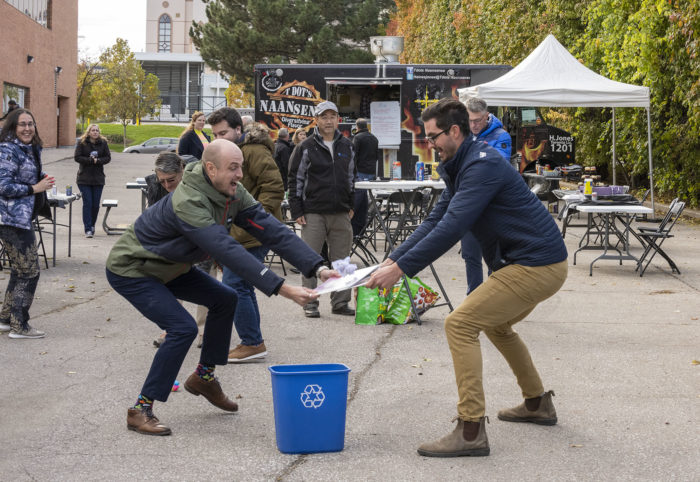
(139, 183)
(409, 188)
(60, 200)
(608, 213)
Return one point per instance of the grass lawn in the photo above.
(138, 134)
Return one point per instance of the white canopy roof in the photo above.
(550, 76)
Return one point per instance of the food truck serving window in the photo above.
(355, 96)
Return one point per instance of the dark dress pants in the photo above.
(159, 303)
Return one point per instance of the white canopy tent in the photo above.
(551, 77)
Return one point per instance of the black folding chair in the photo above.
(643, 217)
(362, 246)
(403, 214)
(654, 238)
(41, 249)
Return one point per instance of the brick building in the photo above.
(38, 63)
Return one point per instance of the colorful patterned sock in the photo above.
(206, 372)
(143, 402)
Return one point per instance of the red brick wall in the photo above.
(51, 47)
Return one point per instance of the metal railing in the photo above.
(177, 108)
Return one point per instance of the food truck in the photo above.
(390, 96)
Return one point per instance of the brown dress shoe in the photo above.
(143, 421)
(211, 391)
(544, 415)
(456, 445)
(245, 353)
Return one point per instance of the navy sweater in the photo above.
(485, 195)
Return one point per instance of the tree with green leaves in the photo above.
(654, 43)
(87, 98)
(241, 33)
(126, 92)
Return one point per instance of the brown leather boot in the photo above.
(544, 415)
(143, 421)
(456, 445)
(211, 391)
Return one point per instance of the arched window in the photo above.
(164, 29)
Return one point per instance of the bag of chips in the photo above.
(399, 310)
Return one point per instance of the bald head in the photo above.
(220, 149)
(223, 162)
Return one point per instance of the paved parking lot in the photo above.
(619, 351)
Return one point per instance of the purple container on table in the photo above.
(606, 190)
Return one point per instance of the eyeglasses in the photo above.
(479, 120)
(432, 139)
(23, 125)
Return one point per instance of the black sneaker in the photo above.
(344, 310)
(311, 311)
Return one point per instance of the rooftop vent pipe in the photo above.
(386, 49)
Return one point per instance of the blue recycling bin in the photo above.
(310, 403)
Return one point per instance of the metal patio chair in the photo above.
(654, 238)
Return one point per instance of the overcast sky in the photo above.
(100, 22)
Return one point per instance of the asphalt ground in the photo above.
(619, 351)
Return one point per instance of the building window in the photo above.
(164, 29)
(37, 10)
(14, 92)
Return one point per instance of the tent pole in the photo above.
(651, 167)
(613, 146)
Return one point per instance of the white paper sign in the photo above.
(386, 123)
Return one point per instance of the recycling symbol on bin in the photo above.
(312, 396)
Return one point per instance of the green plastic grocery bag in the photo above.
(399, 309)
(371, 305)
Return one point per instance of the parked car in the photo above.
(155, 145)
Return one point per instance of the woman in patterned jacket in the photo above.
(21, 185)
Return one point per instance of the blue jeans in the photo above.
(471, 252)
(91, 204)
(247, 317)
(158, 302)
(360, 205)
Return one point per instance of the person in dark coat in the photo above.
(11, 105)
(92, 153)
(521, 245)
(321, 195)
(151, 267)
(283, 149)
(489, 129)
(366, 147)
(194, 140)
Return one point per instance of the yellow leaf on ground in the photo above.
(695, 362)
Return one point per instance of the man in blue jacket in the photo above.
(487, 128)
(521, 244)
(151, 266)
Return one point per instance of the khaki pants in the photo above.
(505, 298)
(336, 230)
